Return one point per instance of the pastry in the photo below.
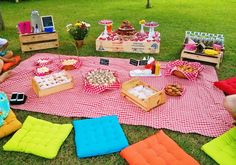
(52, 80)
(43, 61)
(42, 71)
(100, 77)
(69, 64)
(141, 92)
(186, 68)
(174, 90)
(126, 30)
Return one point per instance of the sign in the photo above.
(104, 61)
(133, 62)
(143, 62)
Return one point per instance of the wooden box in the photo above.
(53, 89)
(151, 47)
(151, 102)
(210, 59)
(38, 41)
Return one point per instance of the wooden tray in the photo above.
(151, 102)
(39, 92)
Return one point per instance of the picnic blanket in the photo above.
(199, 110)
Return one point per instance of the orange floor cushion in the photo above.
(8, 65)
(157, 149)
(11, 124)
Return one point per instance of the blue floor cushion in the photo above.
(98, 136)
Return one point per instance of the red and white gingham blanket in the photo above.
(199, 110)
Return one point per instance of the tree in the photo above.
(148, 5)
(1, 22)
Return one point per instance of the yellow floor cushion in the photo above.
(11, 124)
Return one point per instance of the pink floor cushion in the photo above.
(157, 149)
(228, 85)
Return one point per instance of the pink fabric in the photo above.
(199, 110)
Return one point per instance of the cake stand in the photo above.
(151, 26)
(105, 23)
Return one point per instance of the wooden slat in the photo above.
(38, 37)
(39, 46)
(215, 60)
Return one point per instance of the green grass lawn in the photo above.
(175, 17)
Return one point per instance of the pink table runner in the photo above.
(199, 110)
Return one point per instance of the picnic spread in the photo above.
(183, 96)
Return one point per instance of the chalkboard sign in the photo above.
(47, 21)
(104, 61)
(143, 62)
(133, 62)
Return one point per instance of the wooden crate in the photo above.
(51, 90)
(151, 102)
(39, 41)
(128, 46)
(211, 59)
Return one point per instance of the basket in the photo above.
(179, 74)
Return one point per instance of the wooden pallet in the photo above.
(147, 105)
(211, 59)
(39, 41)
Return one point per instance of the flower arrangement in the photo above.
(142, 22)
(79, 30)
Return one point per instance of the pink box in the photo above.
(24, 27)
(190, 47)
(217, 47)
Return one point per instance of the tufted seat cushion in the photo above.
(39, 137)
(228, 85)
(98, 136)
(223, 148)
(157, 149)
(11, 124)
(8, 65)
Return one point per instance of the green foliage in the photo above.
(79, 30)
(174, 17)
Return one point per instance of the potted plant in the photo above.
(78, 31)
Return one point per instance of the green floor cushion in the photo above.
(39, 137)
(223, 148)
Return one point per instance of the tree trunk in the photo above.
(148, 5)
(1, 22)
